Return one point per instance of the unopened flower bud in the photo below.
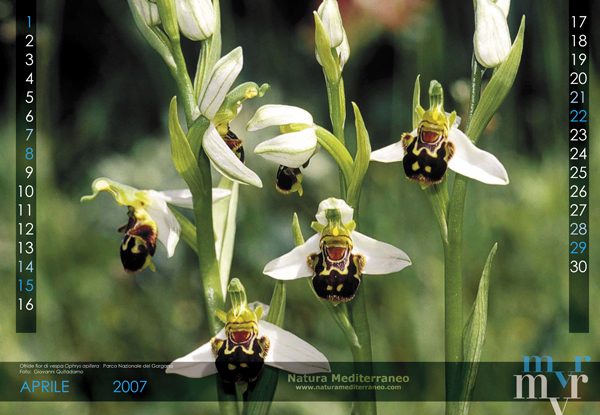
(196, 18)
(148, 11)
(329, 13)
(492, 41)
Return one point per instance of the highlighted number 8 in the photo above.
(29, 153)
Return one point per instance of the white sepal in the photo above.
(343, 51)
(491, 41)
(225, 161)
(290, 149)
(293, 265)
(475, 163)
(196, 18)
(269, 115)
(197, 364)
(380, 258)
(289, 352)
(504, 5)
(148, 11)
(346, 211)
(390, 154)
(220, 81)
(168, 226)
(183, 198)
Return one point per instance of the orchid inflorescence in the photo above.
(337, 256)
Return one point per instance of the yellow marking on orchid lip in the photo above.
(428, 169)
(339, 287)
(336, 231)
(329, 288)
(415, 166)
(230, 366)
(244, 365)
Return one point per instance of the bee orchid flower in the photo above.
(241, 349)
(292, 149)
(337, 255)
(221, 145)
(149, 219)
(436, 145)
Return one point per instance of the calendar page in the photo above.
(299, 207)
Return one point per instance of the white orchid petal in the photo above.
(269, 115)
(390, 154)
(504, 5)
(293, 265)
(197, 364)
(181, 198)
(168, 226)
(289, 352)
(221, 78)
(225, 161)
(380, 258)
(343, 51)
(346, 211)
(475, 163)
(291, 149)
(219, 194)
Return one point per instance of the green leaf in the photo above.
(154, 36)
(361, 162)
(224, 215)
(474, 336)
(337, 150)
(330, 67)
(297, 231)
(183, 157)
(497, 89)
(416, 103)
(188, 229)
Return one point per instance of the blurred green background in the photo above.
(103, 97)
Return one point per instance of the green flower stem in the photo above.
(453, 267)
(184, 83)
(438, 198)
(207, 256)
(337, 112)
(362, 354)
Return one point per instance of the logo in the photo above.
(541, 379)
